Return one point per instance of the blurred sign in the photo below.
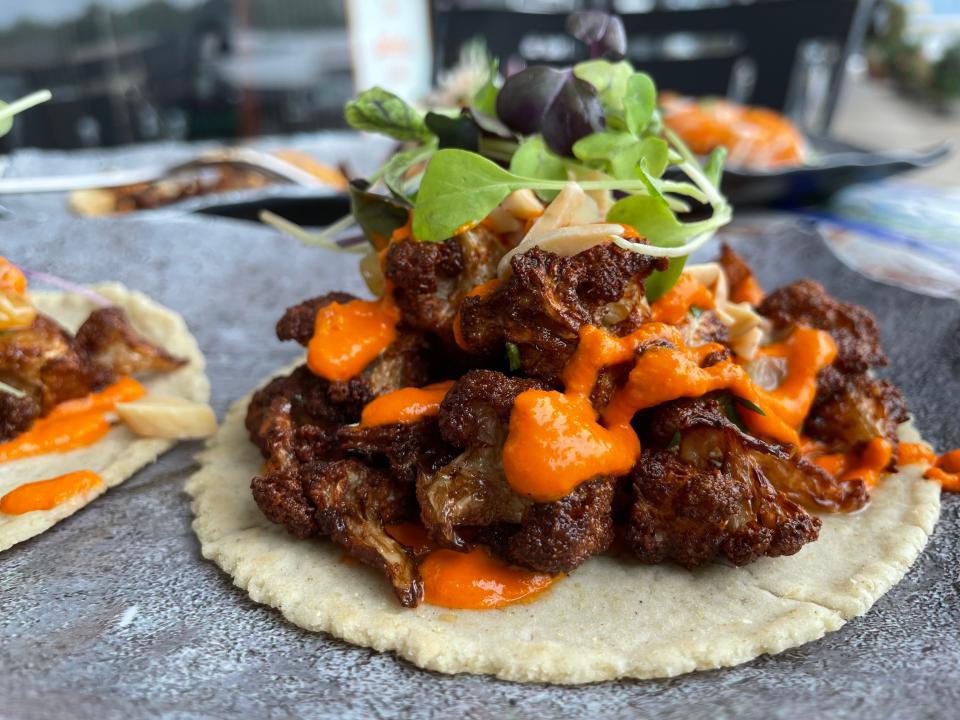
(390, 45)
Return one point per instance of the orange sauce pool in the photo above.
(686, 293)
(945, 469)
(16, 311)
(753, 136)
(72, 424)
(47, 494)
(557, 440)
(348, 336)
(11, 277)
(806, 351)
(476, 580)
(481, 290)
(406, 405)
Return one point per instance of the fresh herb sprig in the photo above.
(596, 122)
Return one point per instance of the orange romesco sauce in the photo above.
(406, 405)
(868, 464)
(11, 278)
(476, 580)
(806, 352)
(72, 424)
(47, 494)
(481, 290)
(557, 440)
(753, 136)
(348, 336)
(673, 307)
(945, 469)
(473, 580)
(747, 290)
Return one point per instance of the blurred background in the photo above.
(882, 72)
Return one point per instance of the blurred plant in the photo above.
(893, 54)
(945, 75)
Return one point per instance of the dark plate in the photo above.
(837, 164)
(114, 613)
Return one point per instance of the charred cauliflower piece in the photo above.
(17, 414)
(44, 362)
(851, 406)
(472, 491)
(310, 488)
(402, 364)
(110, 343)
(703, 489)
(546, 300)
(405, 449)
(431, 279)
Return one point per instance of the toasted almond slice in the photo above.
(168, 417)
(93, 203)
(502, 222)
(523, 204)
(572, 240)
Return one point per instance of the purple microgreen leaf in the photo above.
(555, 103)
(602, 32)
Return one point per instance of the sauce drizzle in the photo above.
(406, 405)
(686, 293)
(348, 336)
(945, 469)
(72, 424)
(47, 494)
(476, 580)
(557, 440)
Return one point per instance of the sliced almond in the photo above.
(171, 418)
(93, 203)
(502, 222)
(523, 204)
(572, 240)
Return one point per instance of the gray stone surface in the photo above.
(113, 613)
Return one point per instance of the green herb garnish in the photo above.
(513, 356)
(596, 122)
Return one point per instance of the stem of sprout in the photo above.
(24, 103)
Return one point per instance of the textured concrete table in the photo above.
(114, 613)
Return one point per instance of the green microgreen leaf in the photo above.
(675, 440)
(453, 132)
(714, 167)
(460, 187)
(395, 171)
(513, 356)
(747, 404)
(639, 102)
(610, 80)
(380, 111)
(485, 99)
(534, 159)
(696, 312)
(602, 145)
(652, 218)
(730, 410)
(377, 215)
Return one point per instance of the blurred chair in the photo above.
(789, 55)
